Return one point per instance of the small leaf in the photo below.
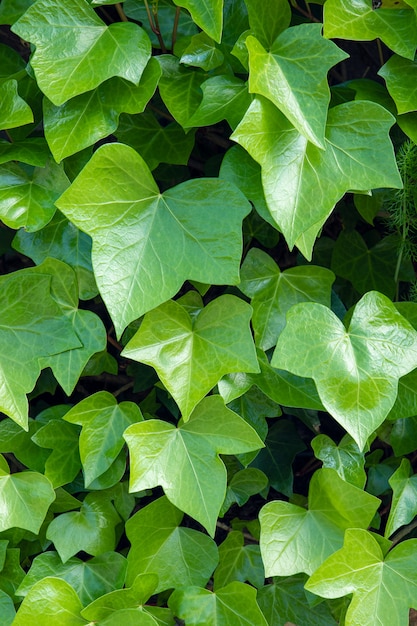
(268, 20)
(345, 458)
(404, 492)
(63, 464)
(14, 111)
(202, 52)
(207, 14)
(51, 602)
(400, 76)
(238, 562)
(244, 484)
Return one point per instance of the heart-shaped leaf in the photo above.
(400, 76)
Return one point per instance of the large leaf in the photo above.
(294, 539)
(208, 14)
(404, 492)
(274, 292)
(290, 75)
(51, 602)
(14, 111)
(178, 556)
(400, 76)
(358, 155)
(356, 370)
(129, 260)
(185, 461)
(213, 341)
(267, 21)
(76, 51)
(381, 586)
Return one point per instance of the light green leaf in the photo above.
(207, 14)
(345, 458)
(202, 52)
(381, 587)
(90, 579)
(18, 441)
(63, 464)
(185, 461)
(76, 51)
(356, 370)
(234, 604)
(273, 292)
(89, 117)
(14, 111)
(400, 76)
(178, 556)
(91, 529)
(294, 539)
(358, 155)
(238, 562)
(212, 342)
(103, 423)
(28, 198)
(179, 88)
(51, 602)
(292, 78)
(128, 261)
(268, 20)
(358, 21)
(404, 492)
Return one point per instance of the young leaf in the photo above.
(178, 458)
(63, 463)
(381, 586)
(130, 255)
(214, 341)
(345, 458)
(50, 602)
(356, 370)
(207, 14)
(404, 492)
(295, 540)
(202, 52)
(76, 51)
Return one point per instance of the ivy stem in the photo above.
(120, 12)
(304, 12)
(380, 53)
(154, 27)
(404, 532)
(175, 28)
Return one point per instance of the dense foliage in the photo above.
(208, 330)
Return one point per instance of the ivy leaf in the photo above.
(91, 529)
(356, 370)
(244, 484)
(400, 76)
(63, 463)
(404, 491)
(213, 341)
(202, 52)
(90, 579)
(33, 151)
(233, 604)
(380, 586)
(178, 556)
(28, 198)
(295, 540)
(179, 87)
(76, 51)
(103, 423)
(207, 14)
(290, 76)
(14, 111)
(238, 562)
(358, 155)
(211, 430)
(267, 21)
(166, 17)
(83, 120)
(345, 458)
(12, 573)
(24, 499)
(50, 602)
(358, 21)
(274, 292)
(7, 610)
(11, 10)
(139, 214)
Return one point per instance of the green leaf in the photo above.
(139, 216)
(345, 458)
(28, 198)
(358, 21)
(273, 292)
(290, 76)
(51, 602)
(179, 88)
(14, 111)
(268, 20)
(7, 610)
(381, 587)
(358, 155)
(83, 120)
(90, 579)
(178, 556)
(103, 423)
(400, 76)
(234, 604)
(63, 464)
(178, 458)
(76, 51)
(91, 529)
(202, 52)
(166, 18)
(208, 14)
(244, 484)
(404, 492)
(12, 573)
(213, 341)
(11, 10)
(24, 500)
(238, 562)
(18, 441)
(356, 370)
(295, 540)
(33, 151)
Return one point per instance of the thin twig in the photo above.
(121, 13)
(175, 27)
(404, 532)
(305, 13)
(122, 389)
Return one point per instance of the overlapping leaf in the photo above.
(185, 461)
(358, 155)
(404, 492)
(356, 370)
(212, 342)
(50, 602)
(116, 188)
(267, 21)
(14, 111)
(76, 51)
(208, 14)
(345, 458)
(401, 77)
(238, 562)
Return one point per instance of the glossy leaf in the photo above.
(33, 151)
(208, 14)
(51, 602)
(400, 76)
(358, 155)
(214, 341)
(76, 51)
(244, 484)
(178, 458)
(238, 562)
(295, 539)
(139, 215)
(178, 556)
(380, 586)
(356, 370)
(14, 111)
(267, 21)
(345, 458)
(63, 463)
(202, 52)
(404, 492)
(290, 76)
(179, 87)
